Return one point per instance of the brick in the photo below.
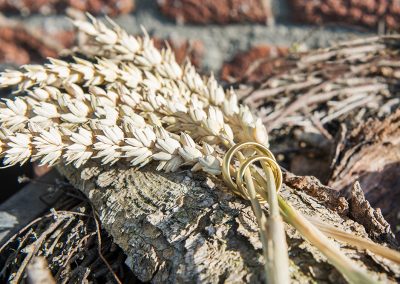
(20, 46)
(254, 65)
(367, 13)
(193, 50)
(109, 7)
(220, 12)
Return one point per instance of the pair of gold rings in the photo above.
(260, 154)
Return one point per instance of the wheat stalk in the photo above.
(131, 102)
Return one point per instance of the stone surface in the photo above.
(222, 43)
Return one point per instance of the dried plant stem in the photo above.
(272, 231)
(34, 249)
(357, 241)
(314, 83)
(276, 232)
(272, 228)
(352, 272)
(263, 225)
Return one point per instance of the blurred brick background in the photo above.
(46, 7)
(221, 11)
(254, 65)
(238, 40)
(368, 13)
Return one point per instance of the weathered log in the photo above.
(186, 228)
(371, 155)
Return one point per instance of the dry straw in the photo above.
(130, 102)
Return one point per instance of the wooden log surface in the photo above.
(187, 228)
(371, 154)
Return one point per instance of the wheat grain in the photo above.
(52, 124)
(163, 106)
(156, 72)
(110, 144)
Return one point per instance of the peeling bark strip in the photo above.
(372, 219)
(179, 228)
(313, 187)
(220, 12)
(366, 13)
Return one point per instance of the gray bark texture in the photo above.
(371, 155)
(187, 228)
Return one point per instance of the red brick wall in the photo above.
(20, 44)
(183, 49)
(110, 7)
(254, 65)
(216, 11)
(368, 13)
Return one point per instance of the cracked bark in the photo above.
(370, 154)
(186, 228)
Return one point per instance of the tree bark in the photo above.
(187, 228)
(371, 155)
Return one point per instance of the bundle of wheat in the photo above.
(134, 103)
